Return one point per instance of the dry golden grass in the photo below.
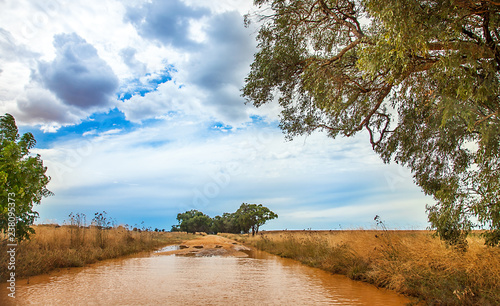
(410, 262)
(53, 247)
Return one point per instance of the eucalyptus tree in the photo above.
(227, 223)
(193, 221)
(22, 181)
(419, 78)
(253, 216)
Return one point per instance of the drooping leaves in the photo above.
(422, 78)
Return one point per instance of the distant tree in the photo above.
(227, 223)
(252, 216)
(420, 78)
(22, 180)
(247, 217)
(218, 225)
(194, 221)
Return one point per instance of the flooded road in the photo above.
(167, 279)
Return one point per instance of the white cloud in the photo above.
(175, 167)
(124, 42)
(213, 67)
(169, 97)
(128, 56)
(78, 76)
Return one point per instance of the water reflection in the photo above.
(177, 280)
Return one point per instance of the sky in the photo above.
(137, 111)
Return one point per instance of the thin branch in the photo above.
(486, 118)
(384, 92)
(382, 133)
(343, 52)
(328, 11)
(324, 126)
(472, 35)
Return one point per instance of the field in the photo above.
(414, 263)
(54, 247)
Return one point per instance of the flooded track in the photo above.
(168, 279)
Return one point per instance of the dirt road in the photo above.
(210, 245)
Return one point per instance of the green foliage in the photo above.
(252, 216)
(420, 78)
(450, 225)
(194, 221)
(22, 179)
(227, 223)
(248, 216)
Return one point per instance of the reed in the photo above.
(414, 263)
(53, 247)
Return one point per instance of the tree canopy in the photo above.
(252, 216)
(194, 221)
(419, 78)
(22, 179)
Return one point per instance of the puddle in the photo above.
(168, 248)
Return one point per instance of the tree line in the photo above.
(248, 217)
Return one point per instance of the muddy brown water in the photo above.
(155, 279)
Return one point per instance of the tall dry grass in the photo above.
(53, 247)
(410, 262)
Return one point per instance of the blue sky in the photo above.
(137, 111)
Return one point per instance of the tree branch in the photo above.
(384, 92)
(486, 118)
(472, 35)
(342, 53)
(382, 133)
(354, 28)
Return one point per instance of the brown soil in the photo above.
(210, 245)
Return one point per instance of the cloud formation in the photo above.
(78, 76)
(128, 56)
(221, 66)
(178, 166)
(11, 50)
(216, 63)
(166, 21)
(39, 105)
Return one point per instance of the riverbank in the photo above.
(413, 263)
(53, 247)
